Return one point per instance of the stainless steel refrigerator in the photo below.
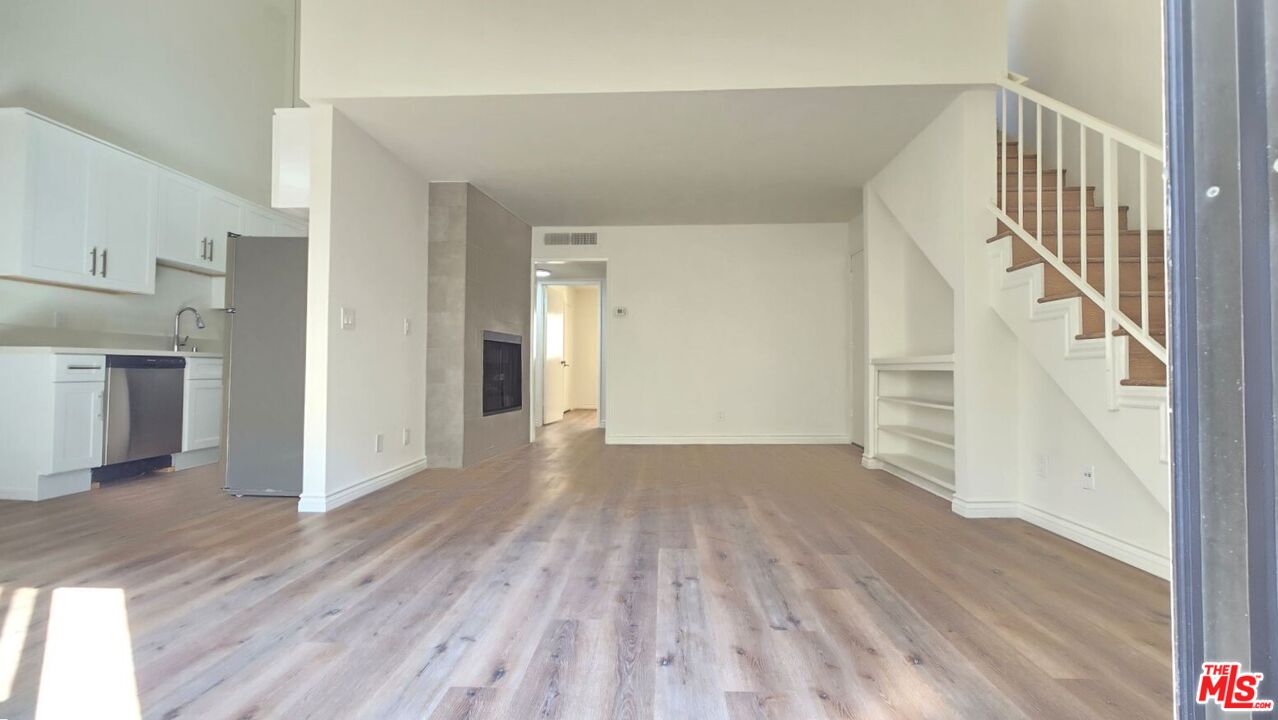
(265, 365)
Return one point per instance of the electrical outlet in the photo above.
(1042, 469)
(59, 319)
(379, 443)
(406, 436)
(1089, 477)
(720, 416)
(348, 318)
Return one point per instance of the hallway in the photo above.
(577, 580)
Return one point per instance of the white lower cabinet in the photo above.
(51, 423)
(202, 407)
(77, 425)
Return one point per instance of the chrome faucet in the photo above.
(178, 340)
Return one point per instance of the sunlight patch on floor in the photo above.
(88, 658)
(13, 637)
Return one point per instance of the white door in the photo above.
(219, 215)
(554, 380)
(122, 220)
(58, 204)
(202, 426)
(77, 426)
(178, 220)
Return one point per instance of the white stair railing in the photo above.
(1013, 97)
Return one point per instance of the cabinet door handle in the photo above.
(84, 367)
(94, 269)
(204, 249)
(104, 263)
(211, 250)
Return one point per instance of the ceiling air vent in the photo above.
(577, 238)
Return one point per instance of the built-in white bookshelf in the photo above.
(911, 418)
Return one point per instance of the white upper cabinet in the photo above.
(73, 211)
(194, 221)
(220, 214)
(178, 215)
(122, 228)
(80, 212)
(56, 241)
(289, 228)
(259, 223)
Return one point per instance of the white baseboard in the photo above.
(1101, 542)
(985, 508)
(614, 439)
(324, 503)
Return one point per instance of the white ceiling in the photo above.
(746, 156)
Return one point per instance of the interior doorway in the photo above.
(569, 341)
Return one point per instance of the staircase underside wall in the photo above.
(1021, 443)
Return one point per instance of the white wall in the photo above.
(582, 341)
(930, 200)
(1104, 57)
(1056, 442)
(367, 253)
(34, 314)
(750, 321)
(857, 358)
(458, 47)
(188, 84)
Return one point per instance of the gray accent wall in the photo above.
(479, 279)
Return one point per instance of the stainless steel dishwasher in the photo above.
(143, 407)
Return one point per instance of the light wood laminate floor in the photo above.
(571, 579)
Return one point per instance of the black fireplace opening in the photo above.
(503, 372)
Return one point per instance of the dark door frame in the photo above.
(1222, 138)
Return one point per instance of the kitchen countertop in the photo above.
(104, 351)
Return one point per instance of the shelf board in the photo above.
(924, 363)
(918, 402)
(931, 472)
(927, 436)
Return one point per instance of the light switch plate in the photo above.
(408, 326)
(348, 318)
(379, 443)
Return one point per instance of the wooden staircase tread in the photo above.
(1122, 260)
(1156, 333)
(1145, 382)
(1053, 208)
(1079, 293)
(1065, 189)
(1091, 232)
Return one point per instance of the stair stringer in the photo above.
(1136, 430)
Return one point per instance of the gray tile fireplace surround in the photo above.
(479, 280)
